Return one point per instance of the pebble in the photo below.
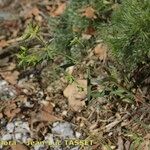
(18, 136)
(25, 139)
(39, 147)
(29, 104)
(78, 134)
(6, 91)
(25, 125)
(49, 138)
(7, 137)
(3, 83)
(64, 130)
(17, 130)
(10, 127)
(18, 123)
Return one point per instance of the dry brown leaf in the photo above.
(1, 115)
(3, 43)
(59, 10)
(43, 116)
(19, 147)
(75, 95)
(11, 110)
(90, 31)
(34, 11)
(89, 12)
(11, 77)
(101, 51)
(47, 107)
(145, 145)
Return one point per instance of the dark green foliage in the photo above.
(129, 33)
(69, 41)
(126, 31)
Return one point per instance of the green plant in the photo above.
(128, 34)
(115, 87)
(69, 28)
(138, 142)
(31, 56)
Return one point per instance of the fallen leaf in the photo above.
(32, 12)
(59, 10)
(3, 43)
(89, 12)
(1, 115)
(145, 145)
(76, 93)
(19, 147)
(47, 107)
(43, 116)
(11, 110)
(101, 51)
(11, 77)
(90, 31)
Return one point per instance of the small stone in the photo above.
(31, 75)
(18, 136)
(55, 124)
(10, 127)
(64, 130)
(110, 134)
(78, 134)
(49, 138)
(70, 69)
(7, 137)
(11, 94)
(28, 104)
(18, 123)
(3, 122)
(20, 129)
(25, 139)
(64, 113)
(39, 147)
(40, 94)
(25, 125)
(3, 83)
(25, 91)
